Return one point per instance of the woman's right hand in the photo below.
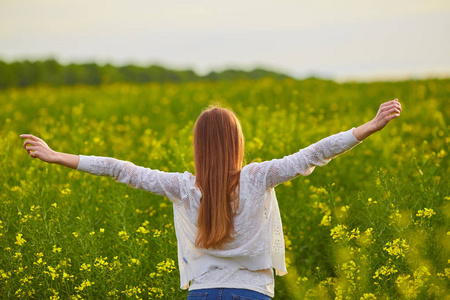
(387, 111)
(37, 148)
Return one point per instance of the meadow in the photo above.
(372, 224)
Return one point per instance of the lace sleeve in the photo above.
(271, 173)
(154, 181)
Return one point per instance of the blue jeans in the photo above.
(226, 294)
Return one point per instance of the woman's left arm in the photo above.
(319, 154)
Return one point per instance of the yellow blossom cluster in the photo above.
(396, 248)
(425, 213)
(409, 286)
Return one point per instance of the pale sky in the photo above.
(340, 39)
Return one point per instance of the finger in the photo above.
(387, 107)
(32, 148)
(392, 110)
(388, 102)
(29, 142)
(29, 136)
(393, 116)
(392, 102)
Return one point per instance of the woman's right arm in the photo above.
(37, 148)
(151, 180)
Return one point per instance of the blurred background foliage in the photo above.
(51, 72)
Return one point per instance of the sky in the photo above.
(340, 40)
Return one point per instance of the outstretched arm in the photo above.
(276, 171)
(37, 148)
(154, 181)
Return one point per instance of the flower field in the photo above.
(372, 224)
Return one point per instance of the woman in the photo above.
(226, 217)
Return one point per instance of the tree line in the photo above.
(51, 72)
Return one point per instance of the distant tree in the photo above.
(50, 72)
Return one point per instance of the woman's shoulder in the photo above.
(187, 184)
(256, 168)
(253, 177)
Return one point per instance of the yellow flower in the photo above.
(66, 276)
(85, 267)
(75, 234)
(396, 248)
(101, 262)
(19, 240)
(16, 189)
(338, 232)
(56, 249)
(425, 213)
(66, 192)
(142, 230)
(326, 221)
(156, 292)
(84, 285)
(156, 233)
(52, 272)
(54, 205)
(368, 296)
(370, 201)
(385, 270)
(123, 235)
(166, 266)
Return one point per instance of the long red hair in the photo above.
(218, 155)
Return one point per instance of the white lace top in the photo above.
(258, 245)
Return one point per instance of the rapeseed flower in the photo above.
(85, 267)
(166, 266)
(86, 283)
(396, 248)
(19, 240)
(101, 262)
(66, 191)
(425, 213)
(56, 249)
(123, 235)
